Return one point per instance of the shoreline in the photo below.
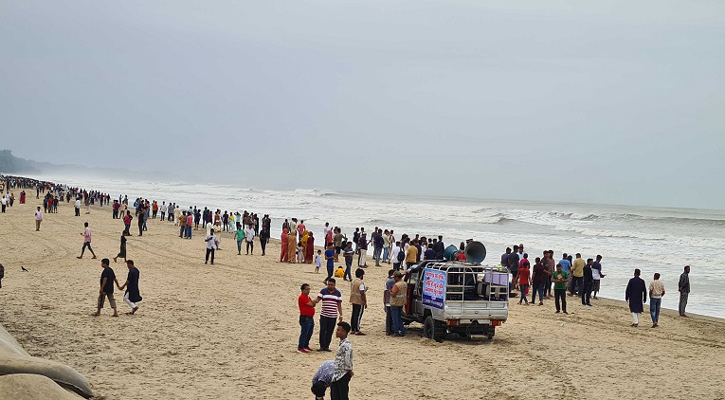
(231, 329)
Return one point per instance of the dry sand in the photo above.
(229, 331)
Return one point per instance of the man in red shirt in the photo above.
(307, 318)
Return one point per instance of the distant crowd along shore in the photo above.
(579, 277)
(546, 278)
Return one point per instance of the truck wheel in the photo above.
(439, 331)
(428, 328)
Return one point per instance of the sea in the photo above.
(661, 240)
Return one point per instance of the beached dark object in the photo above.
(450, 252)
(14, 361)
(475, 252)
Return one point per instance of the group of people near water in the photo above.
(571, 276)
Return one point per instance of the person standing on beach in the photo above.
(307, 319)
(342, 373)
(263, 239)
(4, 203)
(359, 301)
(362, 247)
(127, 223)
(587, 282)
(656, 291)
(348, 255)
(330, 259)
(78, 207)
(397, 301)
(331, 309)
(577, 275)
(132, 295)
(539, 279)
(292, 247)
(122, 251)
(283, 246)
(87, 241)
(210, 246)
(636, 295)
(38, 218)
(524, 280)
(389, 283)
(550, 266)
(140, 218)
(560, 278)
(108, 277)
(189, 224)
(597, 275)
(683, 286)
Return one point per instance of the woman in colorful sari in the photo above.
(310, 251)
(291, 247)
(283, 245)
(304, 235)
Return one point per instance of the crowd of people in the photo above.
(542, 277)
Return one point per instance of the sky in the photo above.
(615, 102)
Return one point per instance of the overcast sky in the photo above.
(609, 102)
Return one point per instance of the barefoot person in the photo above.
(210, 246)
(86, 241)
(108, 277)
(132, 295)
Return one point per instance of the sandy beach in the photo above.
(229, 331)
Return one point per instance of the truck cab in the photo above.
(456, 297)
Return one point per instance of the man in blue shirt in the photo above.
(565, 263)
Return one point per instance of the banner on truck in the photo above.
(434, 288)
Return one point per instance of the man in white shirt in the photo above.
(78, 207)
(249, 238)
(210, 246)
(656, 291)
(38, 218)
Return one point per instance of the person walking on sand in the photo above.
(249, 238)
(359, 301)
(108, 277)
(122, 251)
(307, 319)
(38, 218)
(636, 295)
(210, 246)
(656, 291)
(132, 295)
(86, 241)
(239, 237)
(318, 261)
(342, 373)
(264, 238)
(683, 286)
(331, 310)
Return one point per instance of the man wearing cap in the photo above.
(397, 302)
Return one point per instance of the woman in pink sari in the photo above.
(310, 254)
(283, 245)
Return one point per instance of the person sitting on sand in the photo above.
(132, 295)
(107, 279)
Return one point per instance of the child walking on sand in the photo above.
(318, 261)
